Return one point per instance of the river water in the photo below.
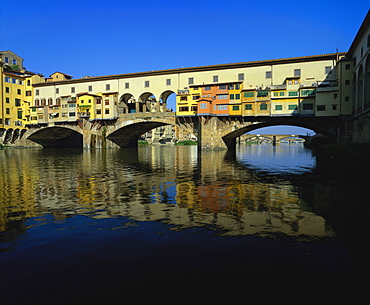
(94, 226)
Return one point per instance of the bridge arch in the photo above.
(148, 102)
(127, 131)
(164, 98)
(127, 103)
(230, 137)
(56, 137)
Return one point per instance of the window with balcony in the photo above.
(248, 94)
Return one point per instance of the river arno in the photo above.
(86, 226)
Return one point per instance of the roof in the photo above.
(61, 73)
(360, 33)
(199, 68)
(8, 51)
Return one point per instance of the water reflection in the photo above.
(169, 185)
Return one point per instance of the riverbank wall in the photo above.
(344, 159)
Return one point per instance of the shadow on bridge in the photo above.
(57, 137)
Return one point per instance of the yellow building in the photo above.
(187, 101)
(235, 100)
(87, 104)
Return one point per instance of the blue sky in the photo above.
(118, 36)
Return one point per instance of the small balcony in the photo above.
(83, 115)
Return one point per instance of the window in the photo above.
(335, 95)
(248, 94)
(7, 110)
(293, 93)
(72, 89)
(89, 101)
(292, 107)
(98, 101)
(19, 91)
(168, 82)
(327, 69)
(194, 108)
(222, 107)
(127, 85)
(72, 114)
(191, 80)
(222, 96)
(278, 107)
(7, 60)
(203, 106)
(82, 101)
(28, 83)
(297, 72)
(347, 82)
(207, 88)
(28, 93)
(268, 74)
(346, 98)
(320, 107)
(72, 105)
(196, 97)
(19, 114)
(348, 66)
(215, 78)
(17, 102)
(37, 92)
(146, 84)
(90, 88)
(334, 107)
(262, 93)
(183, 98)
(7, 100)
(186, 108)
(98, 111)
(263, 107)
(107, 102)
(7, 79)
(107, 87)
(106, 111)
(14, 61)
(14, 81)
(248, 107)
(222, 87)
(308, 92)
(308, 106)
(241, 76)
(56, 90)
(235, 108)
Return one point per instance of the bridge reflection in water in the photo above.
(169, 185)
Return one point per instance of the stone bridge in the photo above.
(275, 139)
(222, 132)
(212, 132)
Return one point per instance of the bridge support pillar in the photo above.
(209, 133)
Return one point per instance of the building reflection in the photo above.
(170, 185)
